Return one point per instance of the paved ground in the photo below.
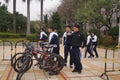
(92, 68)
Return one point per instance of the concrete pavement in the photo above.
(92, 68)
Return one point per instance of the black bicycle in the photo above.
(48, 61)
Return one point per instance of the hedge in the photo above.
(12, 35)
(32, 37)
(107, 41)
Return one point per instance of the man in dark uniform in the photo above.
(78, 41)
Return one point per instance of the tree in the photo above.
(68, 9)
(86, 11)
(41, 12)
(114, 32)
(6, 21)
(55, 21)
(28, 17)
(14, 14)
(92, 12)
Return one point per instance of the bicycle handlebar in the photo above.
(28, 46)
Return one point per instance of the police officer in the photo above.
(94, 46)
(43, 35)
(53, 39)
(66, 40)
(78, 41)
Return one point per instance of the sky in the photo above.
(49, 7)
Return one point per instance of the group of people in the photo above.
(91, 45)
(73, 41)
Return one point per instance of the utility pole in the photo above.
(41, 22)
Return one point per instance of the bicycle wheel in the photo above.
(19, 76)
(15, 57)
(41, 59)
(55, 63)
(23, 63)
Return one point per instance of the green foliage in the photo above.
(56, 22)
(96, 31)
(11, 35)
(46, 19)
(114, 32)
(32, 37)
(35, 26)
(6, 21)
(92, 12)
(107, 41)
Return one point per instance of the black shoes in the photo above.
(97, 57)
(75, 70)
(71, 66)
(90, 56)
(79, 71)
(65, 64)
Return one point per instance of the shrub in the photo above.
(96, 31)
(22, 35)
(107, 41)
(12, 35)
(9, 35)
(32, 37)
(114, 32)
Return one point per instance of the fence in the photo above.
(6, 46)
(106, 62)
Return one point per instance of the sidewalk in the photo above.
(92, 69)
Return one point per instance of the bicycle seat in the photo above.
(43, 43)
(50, 46)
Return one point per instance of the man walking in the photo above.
(78, 41)
(66, 40)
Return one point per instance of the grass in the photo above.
(12, 40)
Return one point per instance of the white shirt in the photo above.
(64, 36)
(42, 33)
(88, 40)
(94, 38)
(51, 35)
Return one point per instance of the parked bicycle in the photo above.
(50, 62)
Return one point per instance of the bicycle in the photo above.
(48, 61)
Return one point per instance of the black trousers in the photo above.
(89, 50)
(94, 49)
(76, 58)
(67, 50)
(56, 50)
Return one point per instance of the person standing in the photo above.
(89, 45)
(53, 39)
(78, 41)
(94, 46)
(66, 40)
(43, 35)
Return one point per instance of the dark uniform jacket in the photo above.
(78, 40)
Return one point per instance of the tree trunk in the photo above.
(14, 16)
(41, 14)
(28, 17)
